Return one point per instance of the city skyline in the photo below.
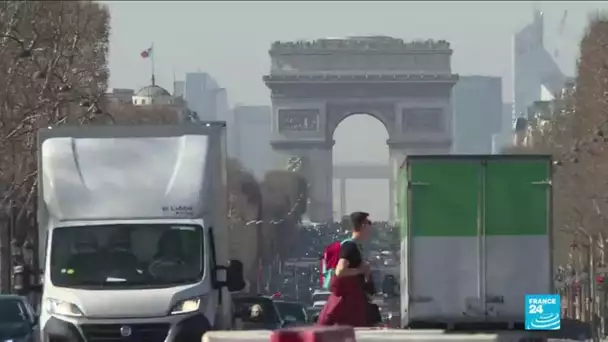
(230, 40)
(246, 86)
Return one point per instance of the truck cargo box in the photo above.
(475, 237)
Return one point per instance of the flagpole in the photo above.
(173, 81)
(152, 62)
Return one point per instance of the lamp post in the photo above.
(592, 313)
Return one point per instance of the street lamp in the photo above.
(592, 280)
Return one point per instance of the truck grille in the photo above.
(150, 332)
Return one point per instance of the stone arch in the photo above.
(315, 85)
(360, 154)
(335, 121)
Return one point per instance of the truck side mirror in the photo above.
(235, 280)
(36, 288)
(230, 277)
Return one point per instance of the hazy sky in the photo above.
(230, 40)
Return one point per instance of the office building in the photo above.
(478, 108)
(251, 139)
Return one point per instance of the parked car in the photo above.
(292, 313)
(18, 322)
(257, 312)
(313, 313)
(319, 297)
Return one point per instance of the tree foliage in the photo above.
(285, 196)
(263, 216)
(244, 220)
(53, 70)
(577, 135)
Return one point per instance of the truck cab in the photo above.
(137, 245)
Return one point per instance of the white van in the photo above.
(134, 219)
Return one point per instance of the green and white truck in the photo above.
(475, 239)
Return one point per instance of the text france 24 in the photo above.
(543, 312)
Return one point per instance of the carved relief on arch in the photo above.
(423, 120)
(298, 120)
(384, 112)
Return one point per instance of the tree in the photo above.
(576, 137)
(52, 56)
(53, 70)
(244, 218)
(285, 196)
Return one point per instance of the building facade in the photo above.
(535, 72)
(179, 88)
(250, 143)
(152, 95)
(120, 96)
(202, 93)
(477, 113)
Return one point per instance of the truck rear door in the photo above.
(517, 240)
(444, 280)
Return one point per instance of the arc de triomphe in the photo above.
(317, 84)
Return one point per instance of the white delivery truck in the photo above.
(475, 239)
(134, 219)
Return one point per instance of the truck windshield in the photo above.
(126, 256)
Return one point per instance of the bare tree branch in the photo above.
(46, 48)
(577, 136)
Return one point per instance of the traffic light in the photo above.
(600, 279)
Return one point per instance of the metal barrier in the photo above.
(347, 334)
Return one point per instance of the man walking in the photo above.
(347, 303)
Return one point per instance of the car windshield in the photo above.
(126, 256)
(12, 311)
(295, 310)
(320, 297)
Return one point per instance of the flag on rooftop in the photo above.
(146, 53)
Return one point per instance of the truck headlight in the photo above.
(19, 339)
(60, 307)
(186, 306)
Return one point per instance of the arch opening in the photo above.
(360, 159)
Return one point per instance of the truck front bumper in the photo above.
(182, 328)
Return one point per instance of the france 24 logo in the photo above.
(543, 312)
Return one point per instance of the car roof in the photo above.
(11, 296)
(258, 299)
(248, 296)
(320, 292)
(288, 302)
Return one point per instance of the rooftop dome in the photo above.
(152, 91)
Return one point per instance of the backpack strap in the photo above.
(359, 246)
(356, 243)
(327, 275)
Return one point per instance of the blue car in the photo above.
(18, 321)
